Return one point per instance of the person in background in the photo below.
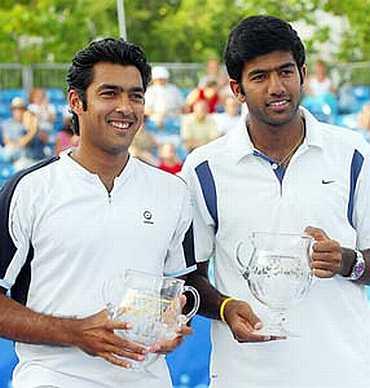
(66, 138)
(214, 71)
(319, 84)
(282, 171)
(162, 99)
(208, 93)
(364, 121)
(198, 128)
(19, 133)
(168, 159)
(144, 147)
(230, 118)
(42, 109)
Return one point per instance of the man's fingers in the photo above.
(115, 360)
(123, 343)
(124, 353)
(184, 330)
(317, 233)
(251, 319)
(167, 346)
(326, 246)
(118, 325)
(322, 273)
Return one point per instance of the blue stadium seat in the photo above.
(361, 92)
(56, 96)
(6, 95)
(5, 111)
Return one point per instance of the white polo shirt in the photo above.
(237, 190)
(63, 236)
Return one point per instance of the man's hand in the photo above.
(95, 336)
(168, 346)
(243, 323)
(327, 259)
(171, 315)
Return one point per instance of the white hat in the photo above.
(18, 103)
(160, 72)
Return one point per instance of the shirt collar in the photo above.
(77, 168)
(241, 145)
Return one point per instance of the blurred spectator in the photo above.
(168, 160)
(144, 147)
(364, 118)
(66, 138)
(230, 118)
(162, 99)
(198, 128)
(214, 71)
(19, 134)
(45, 112)
(319, 84)
(208, 93)
(364, 122)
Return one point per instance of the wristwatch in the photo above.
(359, 266)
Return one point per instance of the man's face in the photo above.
(17, 114)
(115, 108)
(272, 88)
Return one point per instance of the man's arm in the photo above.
(94, 334)
(238, 315)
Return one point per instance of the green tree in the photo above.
(34, 31)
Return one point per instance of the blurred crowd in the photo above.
(177, 120)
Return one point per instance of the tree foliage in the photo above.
(33, 31)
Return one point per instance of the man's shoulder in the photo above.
(343, 138)
(215, 149)
(30, 181)
(159, 176)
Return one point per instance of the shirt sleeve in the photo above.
(362, 205)
(180, 258)
(203, 224)
(15, 233)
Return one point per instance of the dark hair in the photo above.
(260, 35)
(117, 51)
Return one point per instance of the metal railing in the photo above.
(16, 76)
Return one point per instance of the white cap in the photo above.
(18, 103)
(160, 72)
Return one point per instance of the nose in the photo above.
(124, 104)
(276, 85)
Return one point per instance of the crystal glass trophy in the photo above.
(278, 273)
(134, 297)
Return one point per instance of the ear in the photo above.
(304, 72)
(237, 91)
(75, 102)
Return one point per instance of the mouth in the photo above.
(121, 125)
(278, 105)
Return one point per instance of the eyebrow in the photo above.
(286, 65)
(120, 88)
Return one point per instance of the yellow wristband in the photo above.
(222, 308)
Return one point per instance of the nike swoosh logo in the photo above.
(324, 182)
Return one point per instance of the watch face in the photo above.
(359, 269)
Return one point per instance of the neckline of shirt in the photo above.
(77, 169)
(241, 144)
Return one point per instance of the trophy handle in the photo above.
(242, 268)
(195, 308)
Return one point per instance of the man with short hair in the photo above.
(163, 99)
(71, 223)
(282, 171)
(19, 132)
